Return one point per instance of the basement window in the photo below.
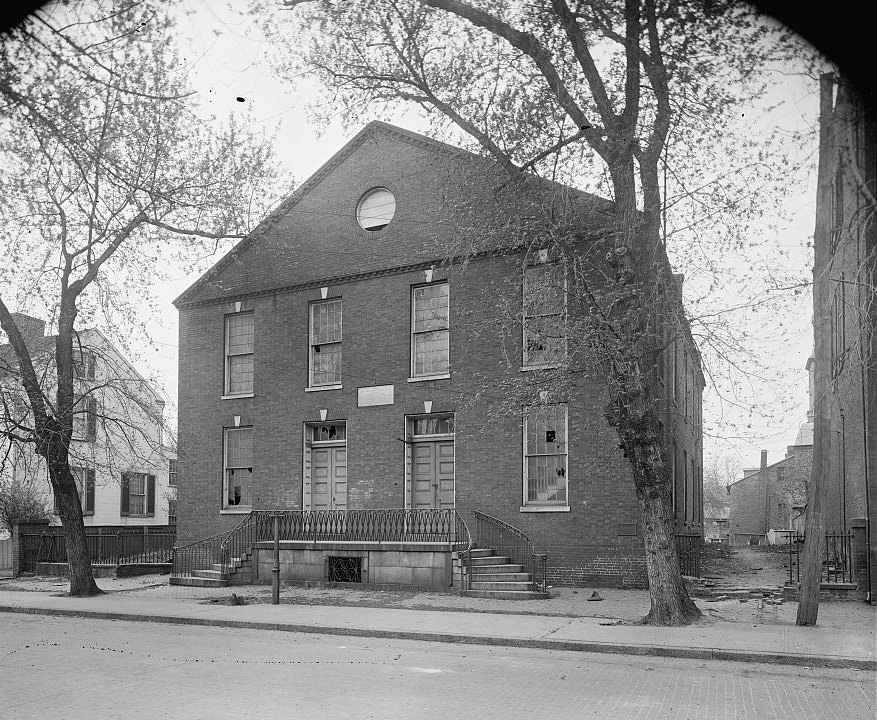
(345, 569)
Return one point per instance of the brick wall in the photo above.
(597, 539)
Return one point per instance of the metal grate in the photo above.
(345, 569)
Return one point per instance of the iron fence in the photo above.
(837, 556)
(689, 548)
(508, 541)
(379, 525)
(106, 545)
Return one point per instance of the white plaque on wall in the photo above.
(377, 395)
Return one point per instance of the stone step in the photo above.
(481, 552)
(490, 560)
(198, 582)
(506, 594)
(479, 585)
(209, 574)
(501, 577)
(501, 568)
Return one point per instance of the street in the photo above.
(85, 668)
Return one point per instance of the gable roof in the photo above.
(374, 129)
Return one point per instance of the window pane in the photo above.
(238, 481)
(546, 478)
(543, 290)
(240, 370)
(137, 493)
(431, 308)
(240, 334)
(545, 339)
(327, 364)
(326, 322)
(545, 451)
(431, 353)
(329, 432)
(238, 466)
(434, 426)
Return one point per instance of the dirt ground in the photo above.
(750, 566)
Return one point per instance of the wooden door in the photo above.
(432, 474)
(329, 478)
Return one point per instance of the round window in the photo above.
(375, 209)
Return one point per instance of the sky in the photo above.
(228, 60)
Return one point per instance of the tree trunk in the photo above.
(670, 603)
(811, 557)
(70, 511)
(636, 421)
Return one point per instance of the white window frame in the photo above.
(312, 345)
(241, 506)
(526, 361)
(528, 505)
(446, 373)
(85, 420)
(229, 355)
(85, 476)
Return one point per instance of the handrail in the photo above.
(373, 525)
(466, 554)
(519, 547)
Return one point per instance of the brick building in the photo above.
(448, 394)
(770, 497)
(845, 319)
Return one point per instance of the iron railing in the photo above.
(199, 555)
(508, 541)
(837, 557)
(116, 545)
(379, 525)
(689, 548)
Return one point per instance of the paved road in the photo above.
(95, 669)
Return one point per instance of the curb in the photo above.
(566, 645)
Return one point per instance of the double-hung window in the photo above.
(85, 419)
(138, 494)
(239, 335)
(430, 334)
(545, 455)
(325, 343)
(238, 467)
(544, 315)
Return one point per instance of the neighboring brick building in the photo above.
(845, 275)
(439, 400)
(771, 497)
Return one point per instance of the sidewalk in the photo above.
(731, 630)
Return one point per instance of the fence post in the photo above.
(275, 568)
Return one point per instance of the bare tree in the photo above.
(106, 163)
(573, 91)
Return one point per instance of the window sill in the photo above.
(235, 397)
(528, 368)
(544, 508)
(235, 511)
(318, 388)
(424, 378)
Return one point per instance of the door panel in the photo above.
(432, 475)
(329, 478)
